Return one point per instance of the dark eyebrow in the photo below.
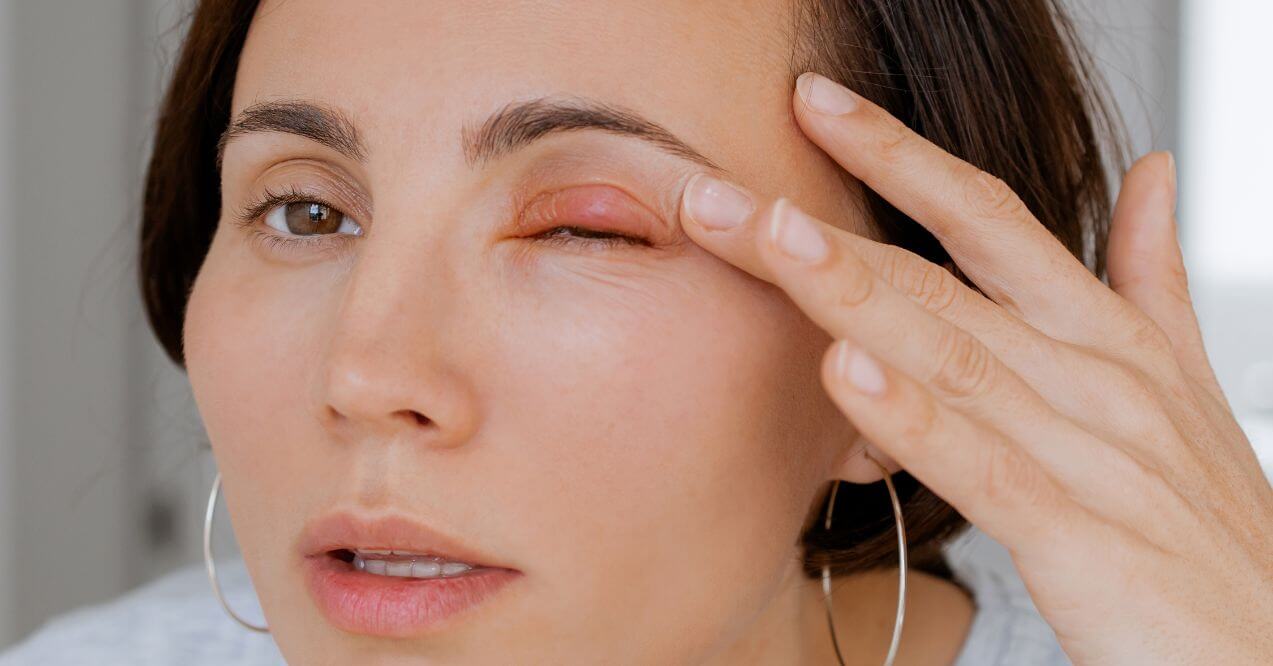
(319, 123)
(512, 127)
(518, 124)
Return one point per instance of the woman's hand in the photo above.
(1080, 426)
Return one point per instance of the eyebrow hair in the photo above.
(512, 127)
(313, 121)
(518, 124)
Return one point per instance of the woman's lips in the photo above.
(369, 602)
(347, 530)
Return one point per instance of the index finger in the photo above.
(928, 285)
(979, 220)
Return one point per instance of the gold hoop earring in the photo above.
(901, 556)
(207, 558)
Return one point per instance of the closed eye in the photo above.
(572, 235)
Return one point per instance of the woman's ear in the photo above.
(856, 467)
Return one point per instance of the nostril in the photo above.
(420, 418)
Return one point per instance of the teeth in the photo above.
(420, 566)
(451, 568)
(401, 569)
(426, 569)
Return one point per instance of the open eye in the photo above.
(309, 218)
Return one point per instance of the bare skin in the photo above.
(641, 427)
(1078, 423)
(667, 538)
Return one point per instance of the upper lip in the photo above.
(348, 531)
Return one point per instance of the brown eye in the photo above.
(310, 218)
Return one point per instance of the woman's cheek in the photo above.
(601, 328)
(656, 396)
(237, 322)
(661, 355)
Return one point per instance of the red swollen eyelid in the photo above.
(600, 207)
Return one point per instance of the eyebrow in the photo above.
(514, 126)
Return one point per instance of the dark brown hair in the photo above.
(1003, 84)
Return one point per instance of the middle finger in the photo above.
(847, 299)
(1048, 367)
(980, 221)
(841, 293)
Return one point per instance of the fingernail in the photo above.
(716, 204)
(859, 369)
(796, 234)
(824, 95)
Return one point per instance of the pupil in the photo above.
(309, 218)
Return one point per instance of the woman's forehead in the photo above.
(636, 47)
(704, 70)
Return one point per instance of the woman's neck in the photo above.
(793, 629)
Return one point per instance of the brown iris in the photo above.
(306, 218)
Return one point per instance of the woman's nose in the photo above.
(390, 371)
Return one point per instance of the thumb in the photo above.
(1146, 265)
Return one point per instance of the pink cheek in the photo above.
(233, 330)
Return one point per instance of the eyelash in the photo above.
(254, 210)
(248, 216)
(582, 236)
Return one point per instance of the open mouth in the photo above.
(396, 577)
(395, 564)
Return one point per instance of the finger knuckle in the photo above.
(1142, 416)
(921, 423)
(1010, 477)
(1125, 381)
(856, 290)
(990, 197)
(1122, 380)
(1147, 337)
(934, 288)
(893, 263)
(965, 367)
(893, 142)
(1140, 476)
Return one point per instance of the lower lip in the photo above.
(364, 603)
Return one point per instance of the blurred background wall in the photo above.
(103, 470)
(100, 463)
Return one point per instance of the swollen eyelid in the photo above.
(599, 207)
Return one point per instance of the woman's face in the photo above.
(636, 427)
